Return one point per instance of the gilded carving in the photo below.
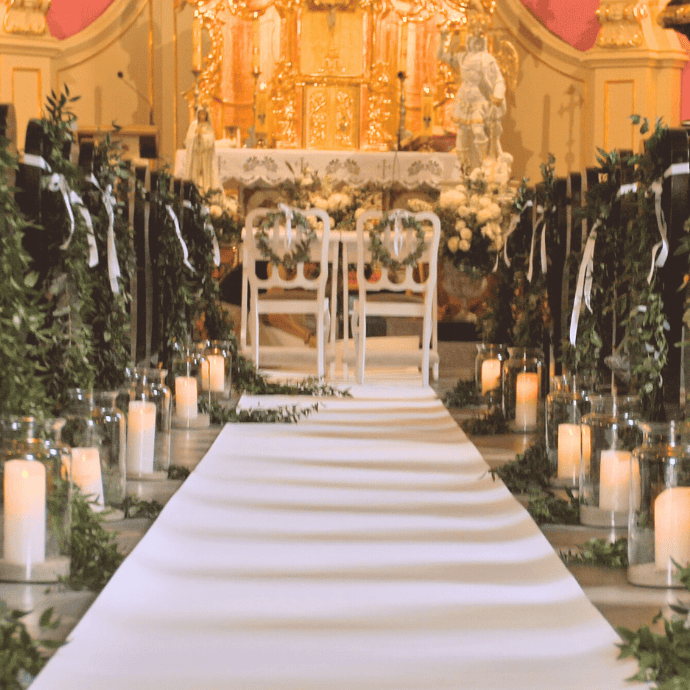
(344, 131)
(26, 16)
(317, 119)
(621, 23)
(379, 108)
(285, 105)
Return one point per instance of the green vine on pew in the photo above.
(599, 552)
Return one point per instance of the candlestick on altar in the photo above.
(403, 133)
(251, 141)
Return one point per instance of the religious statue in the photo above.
(200, 142)
(479, 105)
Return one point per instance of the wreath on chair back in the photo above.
(380, 254)
(300, 251)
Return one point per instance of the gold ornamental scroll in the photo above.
(26, 17)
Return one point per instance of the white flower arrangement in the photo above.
(473, 215)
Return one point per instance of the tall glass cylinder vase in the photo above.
(522, 376)
(609, 476)
(659, 525)
(187, 366)
(148, 424)
(35, 494)
(216, 370)
(94, 429)
(567, 401)
(488, 372)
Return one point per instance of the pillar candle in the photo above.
(569, 451)
(586, 447)
(490, 375)
(86, 474)
(615, 477)
(672, 527)
(213, 374)
(24, 525)
(526, 399)
(185, 397)
(141, 435)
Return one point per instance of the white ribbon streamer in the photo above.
(90, 237)
(208, 226)
(58, 183)
(535, 223)
(544, 265)
(626, 189)
(287, 211)
(397, 217)
(514, 220)
(110, 203)
(584, 282)
(176, 223)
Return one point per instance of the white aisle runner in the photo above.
(366, 548)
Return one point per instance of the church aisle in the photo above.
(365, 547)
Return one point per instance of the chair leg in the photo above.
(361, 345)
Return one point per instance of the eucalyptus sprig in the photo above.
(529, 472)
(94, 556)
(21, 656)
(283, 414)
(599, 552)
(486, 423)
(548, 509)
(463, 394)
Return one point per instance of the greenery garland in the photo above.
(380, 254)
(301, 252)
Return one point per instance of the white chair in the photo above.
(288, 292)
(404, 292)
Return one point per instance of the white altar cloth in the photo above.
(272, 166)
(365, 548)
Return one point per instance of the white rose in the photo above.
(460, 224)
(337, 201)
(492, 230)
(483, 215)
(464, 211)
(320, 202)
(453, 244)
(306, 181)
(451, 199)
(464, 245)
(485, 201)
(216, 211)
(495, 211)
(232, 205)
(466, 234)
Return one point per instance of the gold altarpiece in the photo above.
(326, 74)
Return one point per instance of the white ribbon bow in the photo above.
(584, 282)
(397, 218)
(514, 220)
(176, 223)
(36, 161)
(287, 211)
(90, 237)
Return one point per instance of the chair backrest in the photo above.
(390, 246)
(273, 234)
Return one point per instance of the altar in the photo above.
(240, 167)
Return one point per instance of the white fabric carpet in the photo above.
(365, 548)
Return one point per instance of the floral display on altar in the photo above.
(474, 218)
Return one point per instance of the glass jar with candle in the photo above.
(522, 374)
(565, 405)
(609, 476)
(94, 429)
(216, 370)
(488, 371)
(148, 424)
(659, 526)
(187, 364)
(35, 493)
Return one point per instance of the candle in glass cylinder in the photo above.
(213, 374)
(141, 435)
(526, 399)
(86, 474)
(569, 451)
(491, 375)
(24, 524)
(185, 397)
(672, 527)
(616, 474)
